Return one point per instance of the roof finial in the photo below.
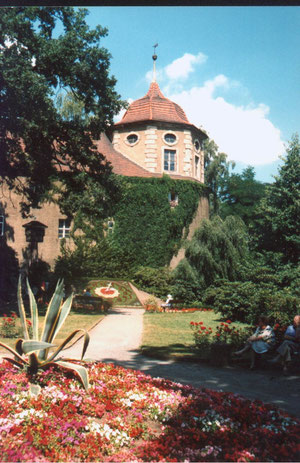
(154, 57)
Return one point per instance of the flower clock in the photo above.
(107, 291)
(126, 415)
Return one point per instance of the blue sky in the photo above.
(234, 70)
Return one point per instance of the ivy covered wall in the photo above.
(146, 227)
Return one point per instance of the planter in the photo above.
(220, 354)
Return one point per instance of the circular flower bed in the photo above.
(129, 416)
(107, 292)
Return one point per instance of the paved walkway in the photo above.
(117, 339)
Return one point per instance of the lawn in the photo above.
(73, 322)
(168, 335)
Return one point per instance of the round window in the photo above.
(197, 145)
(132, 138)
(170, 138)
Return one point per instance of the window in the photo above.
(64, 227)
(197, 167)
(173, 199)
(170, 138)
(170, 160)
(110, 227)
(132, 139)
(197, 145)
(1, 225)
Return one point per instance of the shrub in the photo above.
(246, 301)
(153, 280)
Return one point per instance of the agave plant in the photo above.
(33, 353)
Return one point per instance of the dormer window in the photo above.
(132, 139)
(170, 138)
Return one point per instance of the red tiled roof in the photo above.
(121, 164)
(154, 107)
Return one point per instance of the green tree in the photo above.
(240, 195)
(37, 142)
(216, 251)
(216, 168)
(280, 209)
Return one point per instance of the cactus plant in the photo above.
(38, 349)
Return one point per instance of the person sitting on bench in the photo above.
(260, 342)
(290, 344)
(168, 302)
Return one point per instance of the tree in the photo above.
(216, 168)
(216, 251)
(37, 143)
(240, 195)
(280, 209)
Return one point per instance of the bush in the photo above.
(153, 280)
(246, 301)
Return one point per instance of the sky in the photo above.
(235, 71)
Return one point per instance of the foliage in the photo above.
(280, 209)
(225, 332)
(38, 349)
(152, 305)
(147, 233)
(9, 327)
(217, 250)
(153, 280)
(92, 258)
(216, 168)
(146, 226)
(246, 301)
(240, 195)
(129, 416)
(55, 155)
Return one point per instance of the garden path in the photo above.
(117, 339)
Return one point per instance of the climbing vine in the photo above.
(146, 226)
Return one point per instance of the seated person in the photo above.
(260, 342)
(290, 344)
(168, 302)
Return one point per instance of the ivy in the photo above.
(146, 226)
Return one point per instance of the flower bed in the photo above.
(129, 416)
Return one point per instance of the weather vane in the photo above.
(154, 57)
(154, 54)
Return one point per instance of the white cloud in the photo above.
(244, 133)
(180, 68)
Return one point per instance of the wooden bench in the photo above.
(172, 304)
(97, 303)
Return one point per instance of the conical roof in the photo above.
(154, 106)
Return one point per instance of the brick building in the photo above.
(153, 138)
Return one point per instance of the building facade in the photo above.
(154, 138)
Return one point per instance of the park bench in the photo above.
(172, 304)
(88, 302)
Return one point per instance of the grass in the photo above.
(168, 335)
(73, 322)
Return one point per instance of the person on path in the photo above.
(260, 342)
(290, 344)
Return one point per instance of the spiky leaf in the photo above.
(64, 312)
(52, 316)
(14, 352)
(34, 313)
(67, 340)
(32, 346)
(22, 310)
(79, 369)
